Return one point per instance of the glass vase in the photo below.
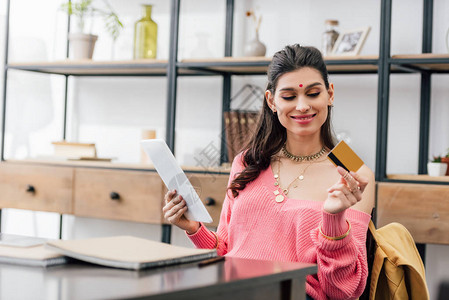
(145, 35)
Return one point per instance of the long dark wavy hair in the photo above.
(270, 135)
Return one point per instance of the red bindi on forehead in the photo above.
(300, 85)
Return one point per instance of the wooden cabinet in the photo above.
(109, 193)
(35, 187)
(212, 190)
(422, 208)
(117, 194)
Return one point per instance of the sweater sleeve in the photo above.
(342, 264)
(206, 239)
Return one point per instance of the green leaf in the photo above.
(84, 7)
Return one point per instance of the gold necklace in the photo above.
(301, 158)
(279, 198)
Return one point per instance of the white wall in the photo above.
(112, 112)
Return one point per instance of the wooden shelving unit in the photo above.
(259, 65)
(145, 67)
(228, 65)
(420, 178)
(155, 67)
(436, 63)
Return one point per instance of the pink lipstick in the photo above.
(303, 119)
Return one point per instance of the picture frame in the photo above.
(350, 42)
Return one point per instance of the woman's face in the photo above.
(301, 101)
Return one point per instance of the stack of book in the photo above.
(30, 251)
(240, 126)
(76, 151)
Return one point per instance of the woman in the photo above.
(286, 201)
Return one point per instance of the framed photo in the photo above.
(350, 42)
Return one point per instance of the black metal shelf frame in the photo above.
(384, 91)
(210, 66)
(5, 74)
(417, 61)
(5, 80)
(411, 65)
(421, 65)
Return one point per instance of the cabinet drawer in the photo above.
(119, 195)
(210, 186)
(422, 208)
(40, 188)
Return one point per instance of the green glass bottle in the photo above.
(145, 35)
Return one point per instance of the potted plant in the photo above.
(83, 43)
(436, 168)
(445, 159)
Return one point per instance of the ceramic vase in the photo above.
(82, 45)
(255, 47)
(436, 168)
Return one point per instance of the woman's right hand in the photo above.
(174, 209)
(346, 192)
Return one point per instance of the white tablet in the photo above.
(175, 179)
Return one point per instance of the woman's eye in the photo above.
(313, 94)
(288, 98)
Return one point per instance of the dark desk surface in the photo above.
(232, 279)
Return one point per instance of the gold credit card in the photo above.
(342, 155)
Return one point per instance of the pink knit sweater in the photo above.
(253, 225)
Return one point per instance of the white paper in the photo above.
(175, 178)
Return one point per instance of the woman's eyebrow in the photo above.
(290, 89)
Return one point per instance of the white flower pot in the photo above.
(82, 45)
(436, 168)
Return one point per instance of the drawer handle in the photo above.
(114, 196)
(209, 201)
(30, 189)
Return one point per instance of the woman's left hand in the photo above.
(346, 192)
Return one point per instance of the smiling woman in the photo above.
(285, 200)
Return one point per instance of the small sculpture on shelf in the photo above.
(83, 43)
(255, 47)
